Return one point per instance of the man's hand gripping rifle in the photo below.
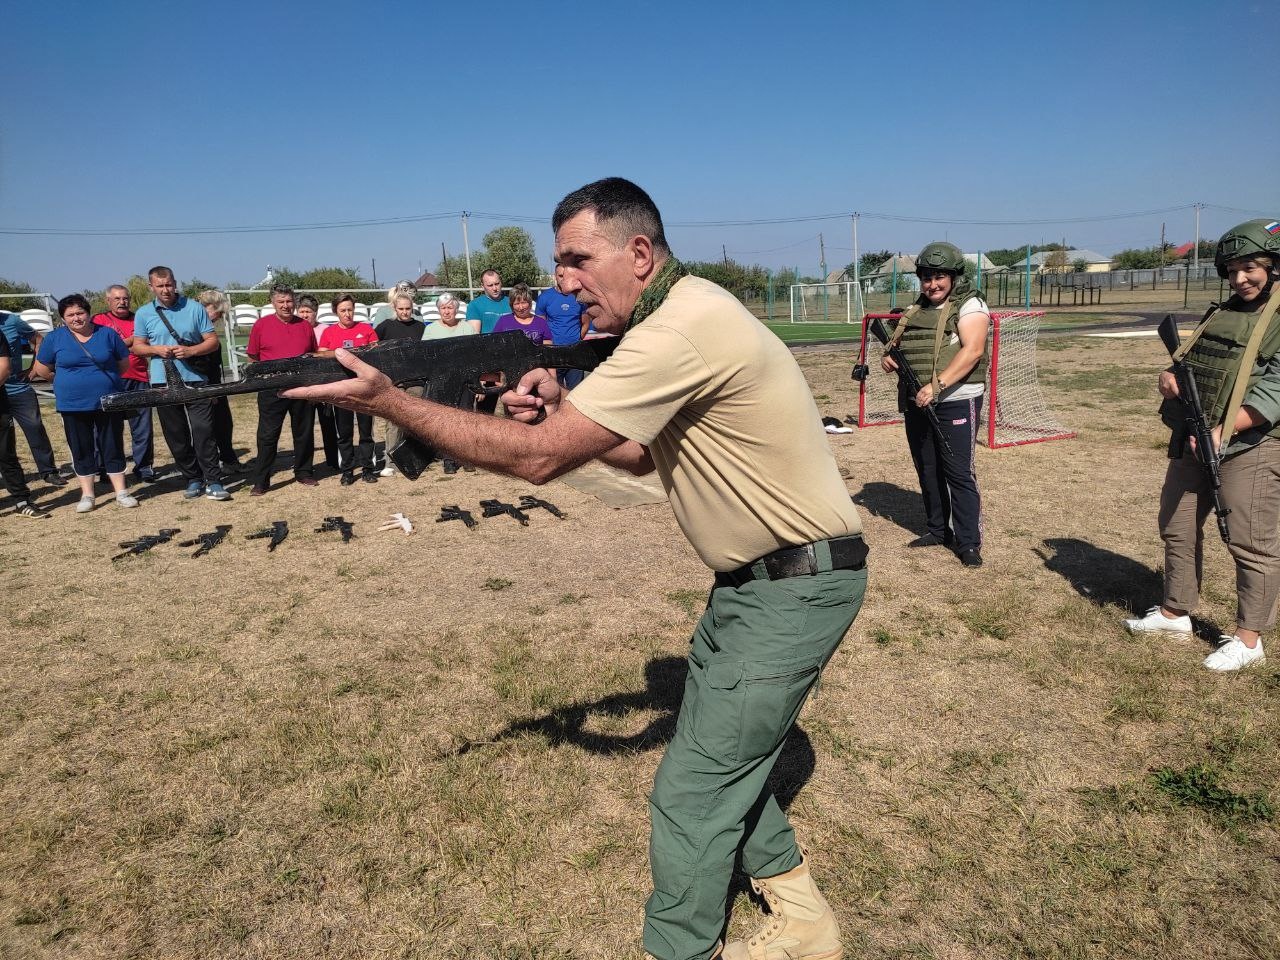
(908, 377)
(1195, 425)
(449, 371)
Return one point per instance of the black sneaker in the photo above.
(54, 479)
(370, 475)
(32, 512)
(931, 540)
(971, 558)
(348, 478)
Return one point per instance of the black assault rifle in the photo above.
(449, 371)
(906, 376)
(1194, 425)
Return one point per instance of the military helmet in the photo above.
(1248, 239)
(940, 255)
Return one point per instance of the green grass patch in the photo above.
(801, 333)
(1201, 786)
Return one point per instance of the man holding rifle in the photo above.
(1233, 359)
(700, 391)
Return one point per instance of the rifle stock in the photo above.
(449, 371)
(908, 377)
(1196, 424)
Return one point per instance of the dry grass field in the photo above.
(440, 746)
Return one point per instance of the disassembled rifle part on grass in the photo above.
(207, 541)
(532, 503)
(494, 508)
(398, 521)
(140, 545)
(455, 512)
(278, 531)
(346, 527)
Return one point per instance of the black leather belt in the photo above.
(846, 553)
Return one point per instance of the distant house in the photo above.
(986, 266)
(426, 281)
(1184, 250)
(1059, 261)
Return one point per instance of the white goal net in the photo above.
(826, 303)
(1014, 411)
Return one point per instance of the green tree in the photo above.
(510, 251)
(1140, 258)
(869, 263)
(195, 286)
(18, 304)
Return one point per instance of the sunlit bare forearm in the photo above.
(534, 452)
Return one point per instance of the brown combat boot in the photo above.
(801, 925)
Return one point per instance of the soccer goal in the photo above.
(826, 303)
(1014, 408)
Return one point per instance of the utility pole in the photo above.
(1195, 255)
(466, 249)
(822, 257)
(374, 264)
(444, 263)
(724, 253)
(1162, 245)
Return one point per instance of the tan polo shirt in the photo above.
(730, 422)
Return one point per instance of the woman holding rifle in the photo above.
(1234, 359)
(943, 336)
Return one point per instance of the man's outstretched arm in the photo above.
(537, 452)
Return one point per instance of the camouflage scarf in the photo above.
(652, 297)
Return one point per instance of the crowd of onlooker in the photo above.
(86, 356)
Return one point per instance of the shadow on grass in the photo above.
(896, 504)
(664, 685)
(1102, 576)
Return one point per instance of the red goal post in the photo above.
(1013, 406)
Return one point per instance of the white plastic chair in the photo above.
(39, 320)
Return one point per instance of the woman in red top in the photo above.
(347, 333)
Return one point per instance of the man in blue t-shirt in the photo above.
(188, 428)
(563, 314)
(24, 405)
(483, 312)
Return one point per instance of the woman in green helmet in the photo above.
(944, 337)
(1234, 358)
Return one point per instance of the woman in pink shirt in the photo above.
(348, 334)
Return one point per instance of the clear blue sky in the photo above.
(146, 115)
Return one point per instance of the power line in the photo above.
(519, 218)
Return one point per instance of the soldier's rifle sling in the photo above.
(1196, 424)
(908, 377)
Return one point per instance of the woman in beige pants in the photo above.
(1234, 358)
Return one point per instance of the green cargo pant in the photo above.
(755, 655)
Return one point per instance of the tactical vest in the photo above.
(918, 337)
(1215, 358)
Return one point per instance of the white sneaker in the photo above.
(1233, 654)
(125, 500)
(1154, 621)
(85, 505)
(387, 471)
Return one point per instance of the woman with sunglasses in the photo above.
(943, 336)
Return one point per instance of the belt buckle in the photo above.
(811, 555)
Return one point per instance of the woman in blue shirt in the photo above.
(85, 361)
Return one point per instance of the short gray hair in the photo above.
(445, 298)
